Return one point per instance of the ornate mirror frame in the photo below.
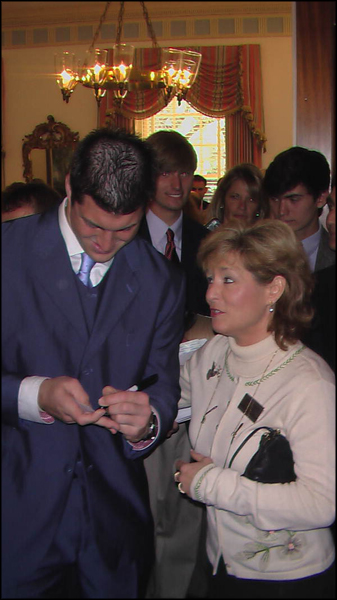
(58, 141)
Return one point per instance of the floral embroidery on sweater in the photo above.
(287, 544)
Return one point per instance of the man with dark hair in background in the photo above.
(199, 187)
(23, 199)
(89, 311)
(296, 184)
(321, 337)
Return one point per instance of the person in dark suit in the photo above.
(296, 183)
(321, 337)
(89, 310)
(177, 522)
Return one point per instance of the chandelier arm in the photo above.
(149, 26)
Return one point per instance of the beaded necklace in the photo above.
(264, 376)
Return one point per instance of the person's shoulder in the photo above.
(19, 234)
(19, 227)
(315, 367)
(193, 226)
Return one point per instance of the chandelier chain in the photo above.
(120, 23)
(101, 21)
(149, 25)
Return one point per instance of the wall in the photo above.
(30, 95)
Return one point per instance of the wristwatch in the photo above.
(153, 428)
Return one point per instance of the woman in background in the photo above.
(238, 196)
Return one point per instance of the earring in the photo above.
(271, 309)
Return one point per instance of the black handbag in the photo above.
(273, 462)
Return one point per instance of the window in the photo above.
(206, 134)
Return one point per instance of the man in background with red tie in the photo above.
(176, 161)
(177, 236)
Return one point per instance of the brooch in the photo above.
(213, 371)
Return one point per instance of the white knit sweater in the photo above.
(264, 531)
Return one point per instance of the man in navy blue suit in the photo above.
(89, 310)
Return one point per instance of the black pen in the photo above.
(138, 387)
(142, 385)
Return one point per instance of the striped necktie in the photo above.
(170, 248)
(84, 272)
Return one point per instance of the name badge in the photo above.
(250, 407)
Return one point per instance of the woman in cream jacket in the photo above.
(263, 540)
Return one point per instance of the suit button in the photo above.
(69, 470)
(90, 468)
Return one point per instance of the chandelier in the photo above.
(112, 68)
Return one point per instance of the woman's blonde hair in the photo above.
(251, 176)
(269, 248)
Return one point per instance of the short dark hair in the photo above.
(200, 178)
(36, 194)
(173, 152)
(297, 166)
(115, 168)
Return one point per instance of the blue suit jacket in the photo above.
(137, 331)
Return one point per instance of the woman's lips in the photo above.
(215, 312)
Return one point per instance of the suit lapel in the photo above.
(52, 267)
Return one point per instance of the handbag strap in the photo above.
(270, 429)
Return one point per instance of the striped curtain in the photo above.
(229, 84)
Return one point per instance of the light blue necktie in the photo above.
(84, 272)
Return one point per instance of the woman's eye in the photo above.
(235, 197)
(228, 280)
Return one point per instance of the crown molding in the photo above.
(16, 15)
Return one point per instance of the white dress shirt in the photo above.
(310, 245)
(158, 229)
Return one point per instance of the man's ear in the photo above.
(67, 186)
(321, 200)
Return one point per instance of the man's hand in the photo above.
(129, 412)
(187, 471)
(65, 399)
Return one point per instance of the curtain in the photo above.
(229, 84)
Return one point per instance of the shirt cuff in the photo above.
(28, 407)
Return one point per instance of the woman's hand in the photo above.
(185, 472)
